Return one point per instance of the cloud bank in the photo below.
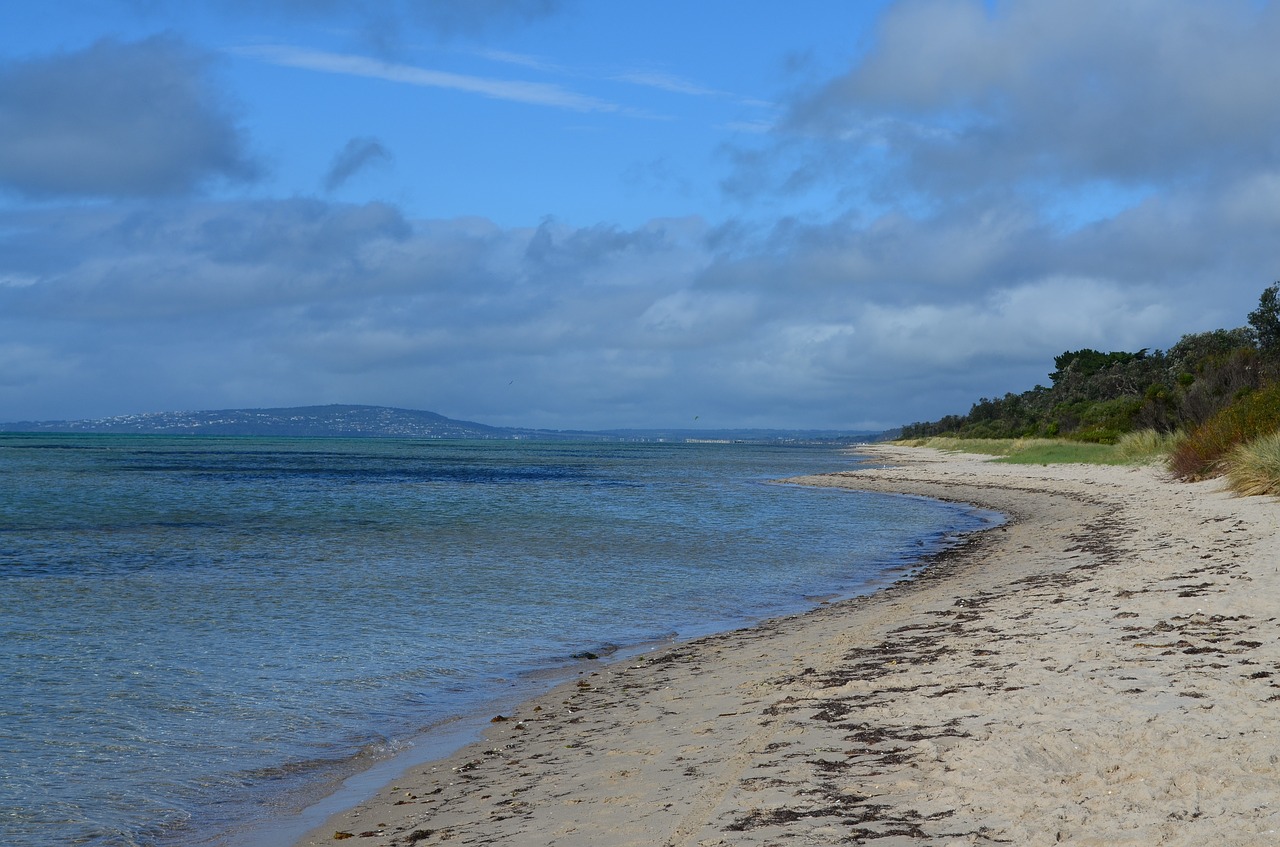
(958, 99)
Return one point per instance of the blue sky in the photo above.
(613, 214)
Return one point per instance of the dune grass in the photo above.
(1147, 446)
(1026, 451)
(1049, 452)
(1253, 468)
(981, 446)
(1137, 448)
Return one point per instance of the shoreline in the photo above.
(1023, 688)
(447, 736)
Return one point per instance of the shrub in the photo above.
(1220, 381)
(1202, 453)
(1254, 468)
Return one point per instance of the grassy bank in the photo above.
(1251, 467)
(1034, 451)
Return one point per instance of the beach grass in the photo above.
(1050, 452)
(981, 446)
(1147, 446)
(1031, 451)
(1253, 468)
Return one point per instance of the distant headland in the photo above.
(354, 421)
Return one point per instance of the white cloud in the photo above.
(964, 97)
(700, 316)
(507, 57)
(1017, 324)
(668, 82)
(519, 91)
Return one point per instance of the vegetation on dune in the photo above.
(1221, 388)
(982, 446)
(1206, 451)
(1254, 468)
(1147, 445)
(1099, 397)
(1134, 448)
(1028, 451)
(1063, 451)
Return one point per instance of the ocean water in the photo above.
(200, 633)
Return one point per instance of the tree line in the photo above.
(1100, 396)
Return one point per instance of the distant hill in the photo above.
(383, 422)
(332, 421)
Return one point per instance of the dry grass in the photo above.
(1146, 446)
(984, 446)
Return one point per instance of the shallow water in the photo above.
(200, 631)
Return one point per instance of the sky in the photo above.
(594, 214)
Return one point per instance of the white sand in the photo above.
(1103, 670)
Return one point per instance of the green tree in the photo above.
(1265, 322)
(1197, 350)
(1083, 364)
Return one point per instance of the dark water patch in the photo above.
(231, 473)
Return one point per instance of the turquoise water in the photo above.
(199, 632)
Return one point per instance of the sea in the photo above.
(205, 636)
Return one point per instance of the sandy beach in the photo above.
(1102, 670)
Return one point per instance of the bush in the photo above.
(1254, 468)
(1202, 453)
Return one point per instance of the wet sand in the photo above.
(1103, 670)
